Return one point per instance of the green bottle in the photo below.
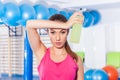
(76, 32)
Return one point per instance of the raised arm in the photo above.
(36, 44)
(54, 24)
(32, 25)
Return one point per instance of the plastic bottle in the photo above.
(76, 32)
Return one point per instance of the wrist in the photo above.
(67, 25)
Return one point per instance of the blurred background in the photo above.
(99, 44)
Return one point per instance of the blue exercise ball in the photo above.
(100, 75)
(27, 13)
(96, 15)
(11, 14)
(1, 23)
(1, 9)
(52, 11)
(88, 19)
(88, 74)
(70, 14)
(41, 11)
(65, 14)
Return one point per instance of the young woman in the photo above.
(57, 62)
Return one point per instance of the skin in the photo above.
(58, 38)
(58, 32)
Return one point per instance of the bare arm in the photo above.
(80, 72)
(32, 25)
(36, 44)
(45, 24)
(54, 24)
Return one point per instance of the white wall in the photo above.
(97, 40)
(112, 26)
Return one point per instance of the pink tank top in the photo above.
(50, 70)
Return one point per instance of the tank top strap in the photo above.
(46, 55)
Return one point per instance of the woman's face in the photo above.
(58, 36)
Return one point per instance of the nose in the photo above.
(58, 37)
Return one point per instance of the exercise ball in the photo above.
(1, 23)
(112, 72)
(69, 14)
(88, 19)
(41, 11)
(1, 9)
(99, 74)
(96, 15)
(27, 13)
(65, 14)
(11, 14)
(52, 11)
(88, 74)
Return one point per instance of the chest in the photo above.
(64, 69)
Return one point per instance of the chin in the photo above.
(59, 47)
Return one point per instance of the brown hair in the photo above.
(60, 17)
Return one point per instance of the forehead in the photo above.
(57, 29)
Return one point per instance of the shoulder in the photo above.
(79, 62)
(40, 54)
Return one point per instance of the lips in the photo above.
(58, 43)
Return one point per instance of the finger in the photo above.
(78, 21)
(78, 15)
(75, 14)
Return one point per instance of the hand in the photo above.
(77, 17)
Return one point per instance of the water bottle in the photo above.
(76, 32)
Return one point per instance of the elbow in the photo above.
(29, 24)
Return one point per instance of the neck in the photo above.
(58, 51)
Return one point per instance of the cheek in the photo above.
(64, 37)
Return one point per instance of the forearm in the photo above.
(45, 24)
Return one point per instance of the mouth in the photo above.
(58, 43)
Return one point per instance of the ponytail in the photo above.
(70, 52)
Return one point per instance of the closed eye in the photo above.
(63, 32)
(52, 32)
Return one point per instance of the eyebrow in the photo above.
(63, 30)
(57, 28)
